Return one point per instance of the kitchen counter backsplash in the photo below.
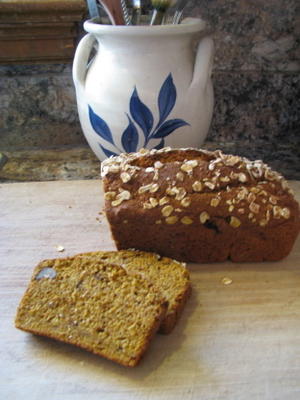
(256, 84)
(252, 35)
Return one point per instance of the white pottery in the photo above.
(146, 86)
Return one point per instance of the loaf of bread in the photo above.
(94, 305)
(199, 206)
(169, 277)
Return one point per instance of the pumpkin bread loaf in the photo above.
(93, 305)
(169, 277)
(199, 206)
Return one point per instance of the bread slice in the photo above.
(95, 305)
(169, 277)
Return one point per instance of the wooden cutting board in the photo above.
(237, 341)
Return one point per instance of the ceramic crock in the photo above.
(146, 86)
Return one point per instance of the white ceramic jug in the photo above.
(146, 86)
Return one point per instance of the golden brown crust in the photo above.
(169, 277)
(95, 306)
(199, 206)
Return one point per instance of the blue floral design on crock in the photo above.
(141, 116)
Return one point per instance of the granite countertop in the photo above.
(74, 163)
(256, 84)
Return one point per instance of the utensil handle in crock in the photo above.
(203, 63)
(81, 59)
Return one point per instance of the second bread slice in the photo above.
(169, 277)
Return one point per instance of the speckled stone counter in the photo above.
(257, 97)
(81, 163)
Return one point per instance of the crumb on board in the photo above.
(226, 281)
(60, 248)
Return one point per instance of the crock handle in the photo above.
(81, 59)
(203, 62)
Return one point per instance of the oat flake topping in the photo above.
(251, 185)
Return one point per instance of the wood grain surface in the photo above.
(239, 341)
